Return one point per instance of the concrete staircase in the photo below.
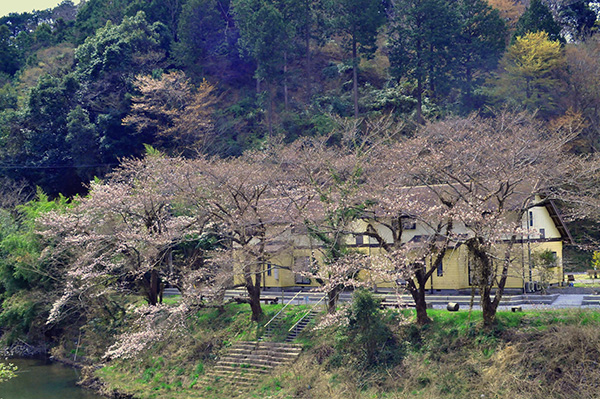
(247, 362)
(591, 300)
(314, 312)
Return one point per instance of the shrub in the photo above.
(367, 340)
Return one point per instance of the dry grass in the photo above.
(534, 356)
(531, 355)
(561, 362)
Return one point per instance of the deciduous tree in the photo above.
(492, 171)
(119, 238)
(177, 115)
(238, 196)
(583, 86)
(530, 73)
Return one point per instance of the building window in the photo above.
(269, 268)
(542, 233)
(360, 240)
(531, 218)
(302, 264)
(470, 272)
(409, 224)
(440, 269)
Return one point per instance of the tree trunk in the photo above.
(489, 310)
(468, 97)
(418, 294)
(286, 101)
(488, 307)
(355, 75)
(419, 115)
(270, 111)
(257, 80)
(253, 288)
(307, 76)
(151, 283)
(486, 276)
(332, 298)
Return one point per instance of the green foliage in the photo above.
(8, 97)
(133, 45)
(82, 141)
(421, 38)
(537, 18)
(203, 34)
(479, 46)
(367, 341)
(530, 76)
(26, 283)
(7, 371)
(446, 48)
(360, 20)
(10, 58)
(18, 315)
(263, 35)
(94, 14)
(578, 17)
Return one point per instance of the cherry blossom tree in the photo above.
(487, 174)
(239, 197)
(325, 188)
(120, 237)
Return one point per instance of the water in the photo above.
(37, 379)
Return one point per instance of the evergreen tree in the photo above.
(536, 18)
(478, 48)
(9, 54)
(422, 37)
(263, 37)
(359, 21)
(577, 18)
(206, 38)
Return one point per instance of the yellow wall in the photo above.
(455, 263)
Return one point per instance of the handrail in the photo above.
(307, 313)
(285, 306)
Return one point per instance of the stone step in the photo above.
(259, 360)
(269, 356)
(171, 291)
(265, 350)
(259, 355)
(258, 363)
(591, 300)
(233, 377)
(231, 370)
(246, 362)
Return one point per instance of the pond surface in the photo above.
(38, 379)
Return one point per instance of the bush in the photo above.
(367, 340)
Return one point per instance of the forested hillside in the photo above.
(149, 143)
(85, 86)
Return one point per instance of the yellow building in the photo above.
(543, 230)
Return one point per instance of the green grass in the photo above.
(172, 300)
(443, 360)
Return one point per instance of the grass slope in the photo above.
(529, 355)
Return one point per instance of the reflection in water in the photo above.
(37, 379)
